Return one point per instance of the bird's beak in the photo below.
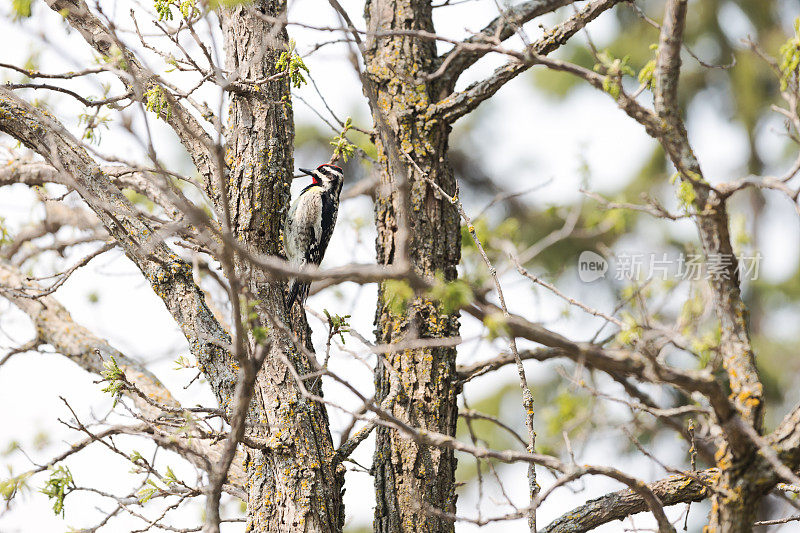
(306, 171)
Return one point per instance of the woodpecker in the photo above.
(310, 223)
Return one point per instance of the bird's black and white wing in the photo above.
(302, 237)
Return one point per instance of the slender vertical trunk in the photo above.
(292, 485)
(409, 477)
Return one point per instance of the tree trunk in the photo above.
(736, 510)
(292, 485)
(409, 477)
(740, 491)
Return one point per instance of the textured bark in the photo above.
(736, 510)
(169, 276)
(292, 486)
(408, 475)
(621, 504)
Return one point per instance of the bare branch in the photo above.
(33, 74)
(468, 372)
(568, 299)
(141, 181)
(668, 63)
(623, 362)
(218, 474)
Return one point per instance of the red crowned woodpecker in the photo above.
(310, 223)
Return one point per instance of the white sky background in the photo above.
(533, 139)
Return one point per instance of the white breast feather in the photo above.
(304, 222)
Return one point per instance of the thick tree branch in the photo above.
(668, 62)
(140, 181)
(55, 326)
(627, 363)
(459, 104)
(623, 503)
(140, 80)
(505, 25)
(170, 277)
(737, 352)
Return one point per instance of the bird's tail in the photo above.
(298, 291)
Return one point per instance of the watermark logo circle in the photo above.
(591, 266)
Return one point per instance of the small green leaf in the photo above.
(170, 478)
(93, 124)
(187, 8)
(614, 69)
(156, 101)
(686, 195)
(163, 9)
(10, 487)
(339, 325)
(496, 325)
(5, 236)
(342, 147)
(646, 74)
(182, 362)
(147, 492)
(21, 9)
(789, 55)
(57, 487)
(291, 63)
(453, 295)
(630, 332)
(115, 377)
(397, 294)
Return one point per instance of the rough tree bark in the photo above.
(293, 485)
(409, 476)
(292, 482)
